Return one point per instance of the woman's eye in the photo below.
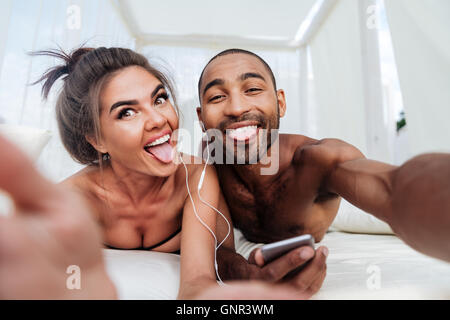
(161, 99)
(126, 113)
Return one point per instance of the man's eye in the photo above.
(126, 113)
(254, 90)
(215, 98)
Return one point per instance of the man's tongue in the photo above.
(162, 152)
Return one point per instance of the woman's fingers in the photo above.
(21, 180)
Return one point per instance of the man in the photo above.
(237, 89)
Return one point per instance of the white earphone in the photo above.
(199, 186)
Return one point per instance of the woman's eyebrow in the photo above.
(159, 87)
(121, 103)
(134, 102)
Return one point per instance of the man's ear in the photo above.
(281, 102)
(97, 146)
(199, 116)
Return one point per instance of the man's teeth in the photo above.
(159, 141)
(242, 129)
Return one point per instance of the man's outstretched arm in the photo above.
(414, 199)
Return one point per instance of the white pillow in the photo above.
(31, 141)
(353, 219)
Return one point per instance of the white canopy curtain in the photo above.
(337, 68)
(344, 82)
(420, 32)
(44, 24)
(4, 24)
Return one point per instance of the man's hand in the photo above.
(308, 280)
(233, 266)
(50, 230)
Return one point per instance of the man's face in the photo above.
(238, 98)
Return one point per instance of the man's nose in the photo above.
(236, 106)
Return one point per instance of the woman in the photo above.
(115, 116)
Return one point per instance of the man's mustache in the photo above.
(245, 117)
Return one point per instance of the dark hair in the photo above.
(85, 71)
(234, 51)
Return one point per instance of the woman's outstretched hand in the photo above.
(50, 248)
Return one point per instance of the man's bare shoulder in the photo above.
(296, 140)
(327, 150)
(291, 143)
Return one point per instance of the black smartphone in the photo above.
(274, 250)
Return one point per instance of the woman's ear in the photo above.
(97, 146)
(281, 102)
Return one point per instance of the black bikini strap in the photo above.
(148, 248)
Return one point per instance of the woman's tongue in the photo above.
(163, 152)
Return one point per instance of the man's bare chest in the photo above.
(287, 207)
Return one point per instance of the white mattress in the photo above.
(364, 266)
(360, 266)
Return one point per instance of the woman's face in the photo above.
(137, 120)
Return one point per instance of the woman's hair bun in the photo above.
(51, 75)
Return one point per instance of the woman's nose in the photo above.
(154, 119)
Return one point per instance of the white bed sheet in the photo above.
(360, 266)
(143, 275)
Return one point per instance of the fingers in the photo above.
(256, 257)
(19, 178)
(280, 267)
(312, 276)
(317, 283)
